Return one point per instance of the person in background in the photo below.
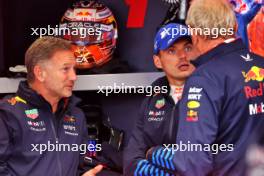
(243, 19)
(156, 124)
(256, 33)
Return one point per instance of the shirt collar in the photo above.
(226, 47)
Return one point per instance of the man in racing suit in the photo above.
(42, 130)
(156, 124)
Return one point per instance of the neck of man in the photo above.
(40, 89)
(208, 44)
(174, 82)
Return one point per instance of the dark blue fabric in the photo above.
(150, 130)
(2, 61)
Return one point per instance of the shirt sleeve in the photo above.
(136, 148)
(5, 144)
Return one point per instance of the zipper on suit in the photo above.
(172, 123)
(56, 141)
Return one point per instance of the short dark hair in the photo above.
(42, 50)
(187, 38)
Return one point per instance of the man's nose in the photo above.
(182, 55)
(73, 76)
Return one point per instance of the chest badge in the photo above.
(160, 103)
(32, 113)
(69, 119)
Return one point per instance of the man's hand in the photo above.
(149, 152)
(93, 171)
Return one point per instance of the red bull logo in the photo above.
(254, 74)
(69, 119)
(82, 12)
(254, 92)
(192, 116)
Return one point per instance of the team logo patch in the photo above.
(156, 116)
(193, 104)
(160, 103)
(69, 125)
(194, 96)
(32, 114)
(83, 12)
(12, 101)
(247, 58)
(192, 116)
(69, 119)
(254, 74)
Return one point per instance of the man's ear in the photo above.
(157, 61)
(40, 73)
(194, 40)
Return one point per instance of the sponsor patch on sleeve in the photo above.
(194, 96)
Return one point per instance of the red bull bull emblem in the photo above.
(192, 116)
(83, 12)
(12, 101)
(254, 74)
(69, 119)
